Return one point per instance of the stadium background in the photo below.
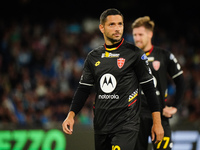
(42, 48)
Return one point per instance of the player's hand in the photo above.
(68, 123)
(157, 133)
(169, 111)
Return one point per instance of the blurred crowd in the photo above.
(41, 63)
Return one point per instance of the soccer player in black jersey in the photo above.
(115, 69)
(162, 64)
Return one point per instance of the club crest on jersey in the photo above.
(156, 65)
(120, 62)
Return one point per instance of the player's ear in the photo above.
(151, 34)
(101, 28)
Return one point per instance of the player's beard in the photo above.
(141, 45)
(112, 40)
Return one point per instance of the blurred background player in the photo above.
(163, 65)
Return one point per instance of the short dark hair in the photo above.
(111, 11)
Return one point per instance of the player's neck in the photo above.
(110, 42)
(149, 52)
(148, 47)
(114, 45)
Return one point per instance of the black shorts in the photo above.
(145, 132)
(122, 140)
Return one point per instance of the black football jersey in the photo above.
(116, 74)
(162, 64)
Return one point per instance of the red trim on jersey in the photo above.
(120, 43)
(151, 49)
(149, 52)
(132, 103)
(114, 48)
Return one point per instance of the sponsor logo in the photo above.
(144, 57)
(156, 65)
(108, 84)
(109, 55)
(104, 96)
(97, 63)
(31, 139)
(150, 59)
(120, 62)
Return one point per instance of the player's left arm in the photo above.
(157, 132)
(169, 111)
(180, 88)
(176, 73)
(145, 78)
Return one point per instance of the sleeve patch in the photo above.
(144, 57)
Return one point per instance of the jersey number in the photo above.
(166, 139)
(116, 147)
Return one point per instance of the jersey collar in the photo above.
(149, 52)
(113, 47)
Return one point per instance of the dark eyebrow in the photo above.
(111, 23)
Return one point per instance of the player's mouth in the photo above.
(139, 44)
(117, 34)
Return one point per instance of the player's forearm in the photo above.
(180, 88)
(157, 132)
(156, 118)
(71, 115)
(79, 98)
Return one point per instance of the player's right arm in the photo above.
(145, 78)
(68, 123)
(78, 102)
(80, 96)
